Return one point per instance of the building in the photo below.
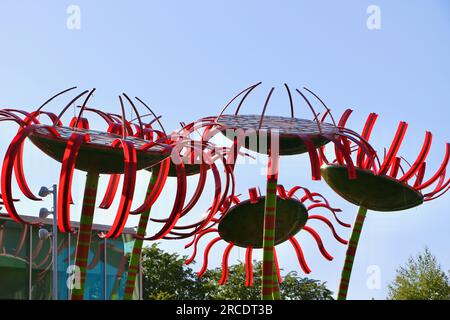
(26, 262)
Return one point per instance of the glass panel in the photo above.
(73, 246)
(63, 264)
(41, 274)
(14, 260)
(118, 254)
(19, 244)
(95, 279)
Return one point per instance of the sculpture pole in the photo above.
(133, 267)
(351, 253)
(85, 233)
(276, 295)
(269, 286)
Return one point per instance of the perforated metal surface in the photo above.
(284, 125)
(98, 155)
(98, 137)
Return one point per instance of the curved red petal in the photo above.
(156, 191)
(300, 256)
(248, 267)
(20, 176)
(205, 256)
(420, 158)
(129, 183)
(65, 179)
(313, 157)
(195, 243)
(7, 171)
(330, 225)
(226, 256)
(439, 172)
(371, 119)
(395, 145)
(178, 205)
(319, 242)
(111, 190)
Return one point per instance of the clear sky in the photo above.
(188, 57)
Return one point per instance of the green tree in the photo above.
(293, 287)
(421, 279)
(165, 276)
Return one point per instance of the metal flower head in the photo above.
(391, 184)
(242, 225)
(385, 185)
(76, 146)
(293, 135)
(123, 148)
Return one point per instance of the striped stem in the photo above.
(351, 252)
(276, 295)
(133, 267)
(268, 272)
(85, 232)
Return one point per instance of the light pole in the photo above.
(43, 234)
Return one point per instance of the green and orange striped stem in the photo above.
(351, 252)
(276, 295)
(133, 266)
(268, 284)
(85, 232)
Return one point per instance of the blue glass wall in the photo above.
(26, 264)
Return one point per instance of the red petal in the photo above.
(371, 119)
(111, 190)
(129, 182)
(395, 145)
(248, 267)
(300, 256)
(319, 242)
(421, 158)
(441, 169)
(65, 179)
(205, 256)
(225, 257)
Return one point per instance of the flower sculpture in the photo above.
(278, 136)
(191, 165)
(389, 185)
(242, 224)
(261, 222)
(78, 147)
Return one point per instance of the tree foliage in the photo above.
(165, 276)
(421, 279)
(293, 287)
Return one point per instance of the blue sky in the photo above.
(187, 58)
